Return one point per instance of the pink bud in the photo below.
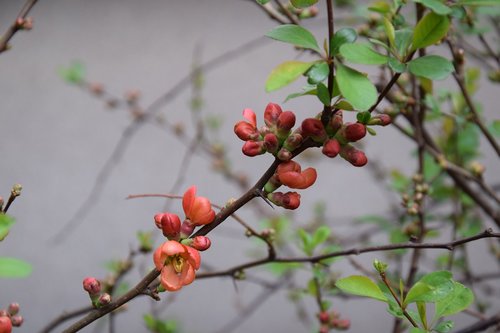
(284, 155)
(289, 200)
(293, 141)
(313, 128)
(354, 132)
(353, 156)
(187, 229)
(201, 243)
(253, 148)
(4, 313)
(331, 148)
(170, 226)
(13, 308)
(246, 131)
(91, 285)
(324, 317)
(271, 114)
(380, 120)
(286, 121)
(271, 143)
(17, 320)
(104, 299)
(157, 219)
(5, 325)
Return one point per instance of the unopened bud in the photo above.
(284, 155)
(132, 96)
(354, 156)
(331, 148)
(312, 127)
(5, 325)
(201, 243)
(271, 143)
(354, 132)
(16, 190)
(104, 299)
(380, 266)
(13, 309)
(4, 313)
(187, 229)
(341, 324)
(293, 141)
(271, 114)
(170, 226)
(17, 320)
(286, 121)
(253, 148)
(91, 285)
(96, 88)
(477, 169)
(380, 120)
(324, 317)
(289, 200)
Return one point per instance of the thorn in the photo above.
(260, 194)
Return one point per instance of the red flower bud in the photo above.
(353, 156)
(331, 148)
(271, 143)
(284, 155)
(16, 320)
(253, 148)
(187, 229)
(286, 121)
(5, 325)
(157, 219)
(336, 122)
(354, 132)
(341, 324)
(290, 174)
(201, 243)
(13, 309)
(324, 317)
(293, 141)
(271, 114)
(247, 130)
(170, 226)
(289, 200)
(313, 128)
(92, 285)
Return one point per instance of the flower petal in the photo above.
(170, 280)
(188, 200)
(250, 116)
(193, 257)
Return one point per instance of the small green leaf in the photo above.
(318, 72)
(344, 105)
(402, 40)
(75, 73)
(262, 2)
(362, 286)
(296, 35)
(418, 330)
(429, 30)
(478, 3)
(356, 88)
(422, 313)
(321, 235)
(380, 7)
(362, 53)
(430, 288)
(6, 222)
(371, 131)
(298, 94)
(396, 65)
(280, 268)
(302, 3)
(494, 128)
(306, 238)
(458, 300)
(363, 117)
(323, 94)
(389, 31)
(14, 268)
(432, 67)
(436, 6)
(341, 37)
(444, 326)
(286, 73)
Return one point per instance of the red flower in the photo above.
(198, 210)
(247, 130)
(177, 264)
(290, 174)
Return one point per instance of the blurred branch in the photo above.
(16, 26)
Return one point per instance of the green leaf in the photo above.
(430, 288)
(458, 300)
(324, 94)
(436, 6)
(432, 67)
(356, 88)
(281, 268)
(306, 238)
(478, 3)
(286, 73)
(444, 326)
(321, 235)
(362, 53)
(303, 93)
(75, 73)
(362, 286)
(296, 35)
(363, 117)
(422, 313)
(380, 7)
(396, 65)
(494, 128)
(418, 330)
(262, 2)
(318, 72)
(6, 222)
(303, 3)
(389, 31)
(402, 40)
(344, 105)
(14, 268)
(429, 30)
(341, 37)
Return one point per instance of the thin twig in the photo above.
(6, 37)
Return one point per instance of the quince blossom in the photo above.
(198, 210)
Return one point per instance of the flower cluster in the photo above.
(178, 258)
(10, 318)
(331, 320)
(276, 137)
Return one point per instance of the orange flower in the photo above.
(247, 130)
(177, 264)
(198, 210)
(290, 174)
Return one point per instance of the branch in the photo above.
(15, 27)
(481, 325)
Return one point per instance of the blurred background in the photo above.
(55, 139)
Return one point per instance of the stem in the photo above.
(327, 109)
(405, 313)
(4, 40)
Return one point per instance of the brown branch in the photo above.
(65, 317)
(482, 325)
(15, 27)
